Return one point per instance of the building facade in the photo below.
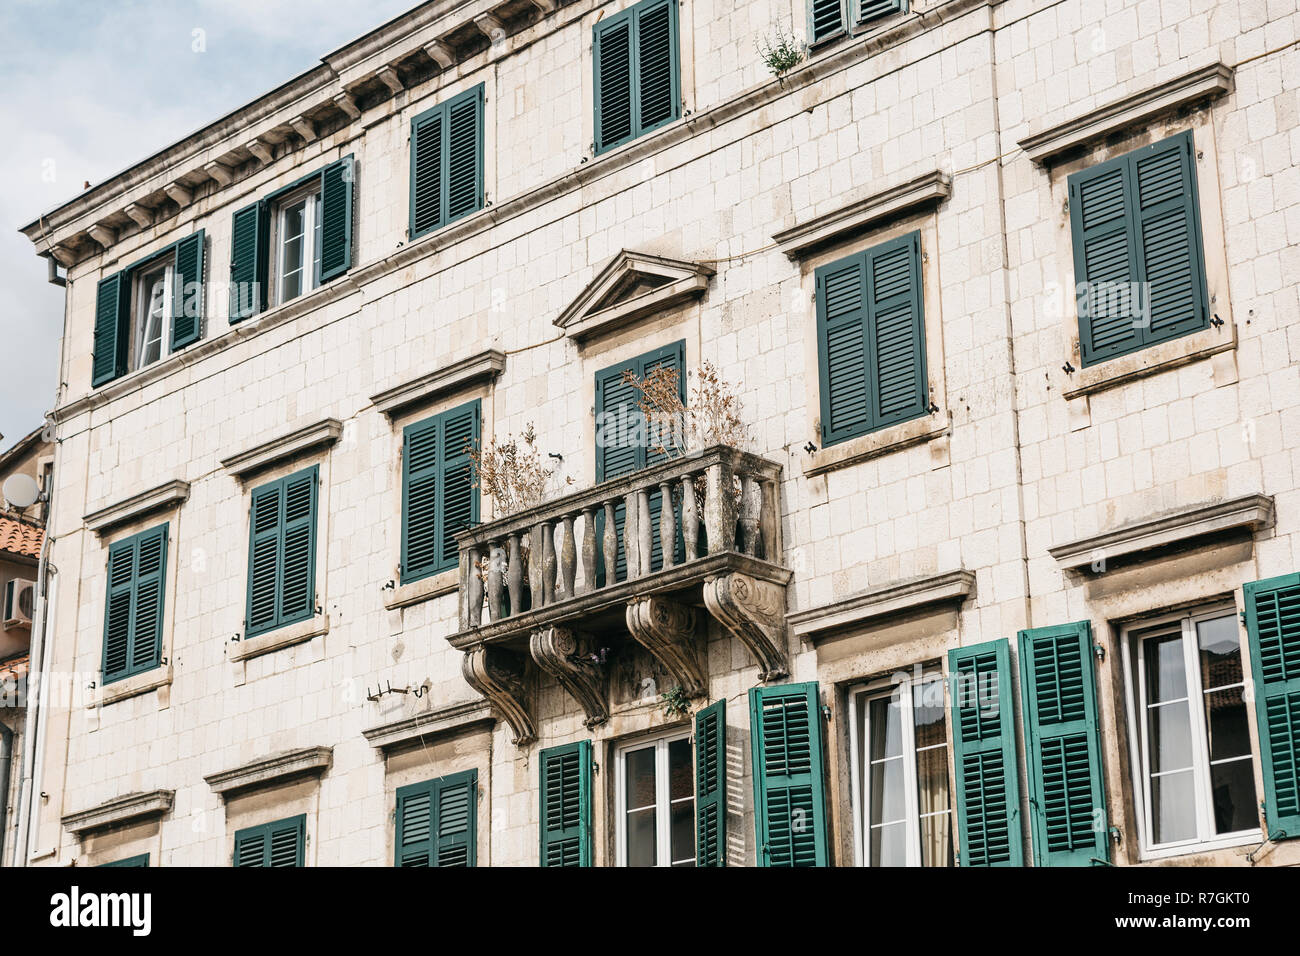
(1006, 572)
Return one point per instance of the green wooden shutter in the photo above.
(447, 162)
(133, 617)
(465, 154)
(439, 499)
(825, 20)
(265, 521)
(282, 552)
(612, 58)
(1273, 626)
(428, 162)
(456, 798)
(1138, 253)
(272, 844)
(187, 291)
(711, 785)
(141, 860)
(566, 805)
(636, 60)
(789, 798)
(1063, 746)
(875, 9)
(112, 297)
(841, 289)
(249, 256)
(414, 830)
(984, 751)
(896, 331)
(657, 95)
(336, 197)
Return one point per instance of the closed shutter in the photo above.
(188, 289)
(566, 805)
(272, 844)
(1273, 626)
(414, 825)
(636, 60)
(825, 19)
(436, 821)
(871, 339)
(711, 785)
(984, 747)
(249, 254)
(447, 162)
(1063, 746)
(439, 499)
(133, 616)
(1139, 260)
(789, 800)
(336, 197)
(141, 860)
(875, 9)
(282, 552)
(112, 297)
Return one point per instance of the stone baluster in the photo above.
(690, 518)
(667, 524)
(645, 532)
(610, 545)
(549, 564)
(473, 589)
(536, 593)
(748, 517)
(568, 559)
(767, 521)
(588, 550)
(720, 508)
(495, 584)
(631, 535)
(515, 576)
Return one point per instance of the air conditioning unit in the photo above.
(20, 598)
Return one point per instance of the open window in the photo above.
(655, 797)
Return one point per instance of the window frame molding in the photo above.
(1136, 726)
(663, 800)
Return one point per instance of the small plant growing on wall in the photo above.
(781, 52)
(676, 703)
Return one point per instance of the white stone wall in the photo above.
(1015, 476)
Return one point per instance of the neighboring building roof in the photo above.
(20, 537)
(20, 448)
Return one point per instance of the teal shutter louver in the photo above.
(1273, 627)
(620, 448)
(436, 822)
(566, 805)
(187, 291)
(871, 340)
(272, 844)
(1067, 799)
(984, 752)
(282, 553)
(249, 256)
(825, 20)
(439, 499)
(789, 787)
(141, 860)
(133, 615)
(112, 298)
(875, 9)
(711, 785)
(1139, 260)
(336, 196)
(636, 61)
(447, 162)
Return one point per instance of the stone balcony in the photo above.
(534, 591)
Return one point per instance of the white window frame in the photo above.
(663, 805)
(860, 697)
(310, 195)
(1135, 698)
(140, 281)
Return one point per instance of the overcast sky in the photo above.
(93, 86)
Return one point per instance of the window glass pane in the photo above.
(639, 787)
(886, 728)
(936, 840)
(928, 711)
(1232, 791)
(682, 833)
(889, 845)
(641, 837)
(640, 778)
(1166, 672)
(681, 776)
(887, 803)
(1225, 723)
(1220, 650)
(151, 340)
(1173, 799)
(293, 224)
(1169, 737)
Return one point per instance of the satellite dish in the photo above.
(21, 491)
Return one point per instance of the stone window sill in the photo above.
(1211, 342)
(282, 637)
(929, 428)
(133, 686)
(424, 589)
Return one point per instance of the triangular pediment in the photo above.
(632, 286)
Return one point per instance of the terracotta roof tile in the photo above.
(14, 668)
(19, 537)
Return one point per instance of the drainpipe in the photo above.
(6, 755)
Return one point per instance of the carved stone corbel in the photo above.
(498, 674)
(667, 630)
(754, 612)
(567, 656)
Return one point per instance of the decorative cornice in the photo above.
(1181, 527)
(167, 496)
(277, 450)
(1205, 83)
(312, 761)
(431, 725)
(889, 600)
(867, 213)
(475, 369)
(132, 807)
(672, 281)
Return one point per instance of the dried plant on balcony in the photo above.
(713, 417)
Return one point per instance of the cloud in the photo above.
(92, 88)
